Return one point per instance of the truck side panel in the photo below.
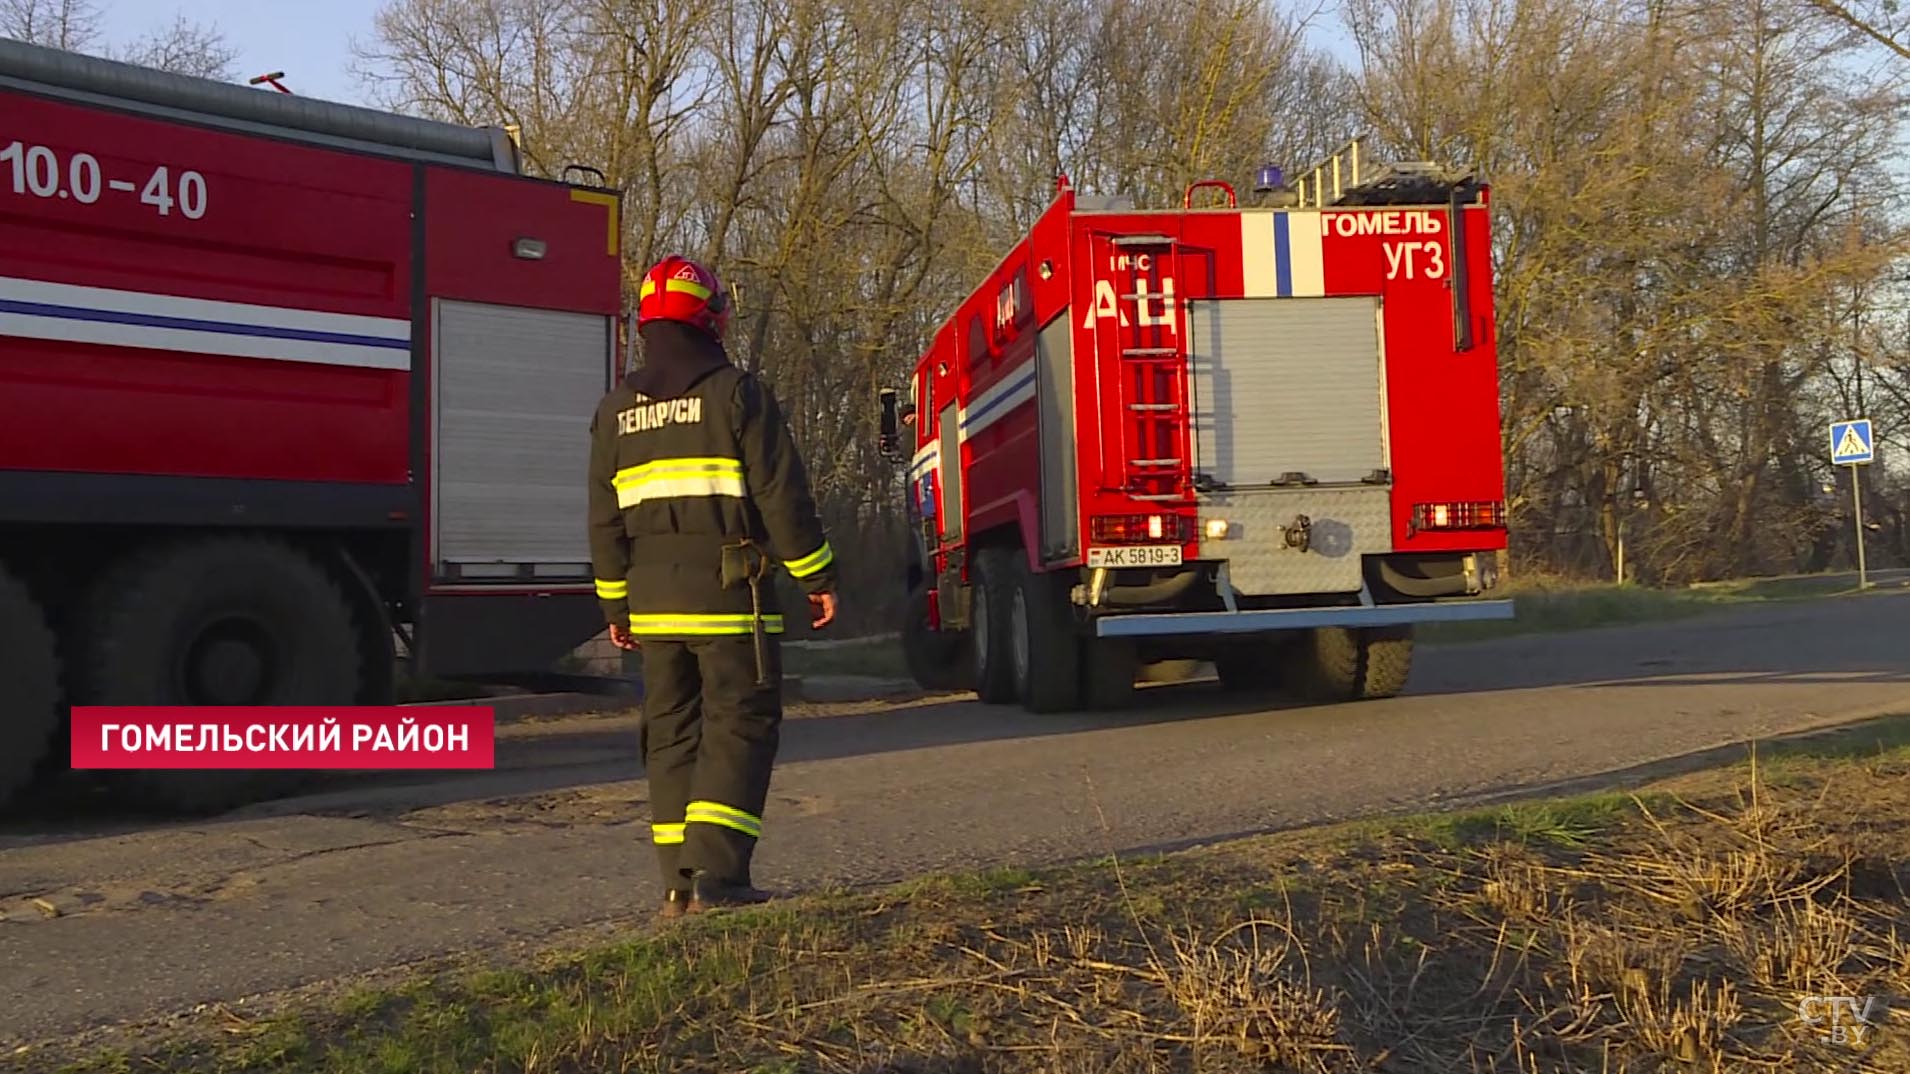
(521, 350)
(977, 464)
(521, 345)
(1000, 437)
(171, 291)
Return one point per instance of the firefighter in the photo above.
(696, 495)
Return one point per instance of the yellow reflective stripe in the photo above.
(690, 463)
(727, 816)
(678, 477)
(612, 590)
(667, 487)
(666, 834)
(688, 287)
(682, 623)
(811, 563)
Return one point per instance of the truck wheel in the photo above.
(1044, 649)
(1108, 667)
(1323, 666)
(934, 658)
(224, 621)
(989, 611)
(1387, 656)
(30, 685)
(1344, 664)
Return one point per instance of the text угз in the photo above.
(437, 737)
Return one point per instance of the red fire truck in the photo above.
(280, 379)
(1266, 437)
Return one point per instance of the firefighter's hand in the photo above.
(621, 637)
(824, 607)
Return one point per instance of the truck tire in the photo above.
(1345, 664)
(989, 610)
(1044, 649)
(1108, 668)
(1387, 659)
(29, 685)
(935, 659)
(1324, 665)
(218, 621)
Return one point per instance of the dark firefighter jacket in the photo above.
(687, 455)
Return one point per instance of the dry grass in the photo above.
(1678, 933)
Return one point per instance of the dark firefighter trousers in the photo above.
(709, 741)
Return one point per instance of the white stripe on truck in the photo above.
(69, 313)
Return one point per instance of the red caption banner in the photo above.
(432, 737)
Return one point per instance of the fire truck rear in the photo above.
(1265, 437)
(280, 380)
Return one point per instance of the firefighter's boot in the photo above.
(676, 903)
(709, 894)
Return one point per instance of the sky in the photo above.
(310, 40)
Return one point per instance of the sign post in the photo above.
(1851, 445)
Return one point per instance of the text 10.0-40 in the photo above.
(37, 170)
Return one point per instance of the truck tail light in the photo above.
(1460, 515)
(1138, 529)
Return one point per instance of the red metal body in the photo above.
(1121, 289)
(207, 320)
(287, 228)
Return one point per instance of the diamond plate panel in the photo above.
(1347, 524)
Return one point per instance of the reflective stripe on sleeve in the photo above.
(712, 625)
(618, 590)
(811, 563)
(724, 816)
(666, 478)
(666, 834)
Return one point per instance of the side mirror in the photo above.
(890, 429)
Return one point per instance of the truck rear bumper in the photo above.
(1146, 625)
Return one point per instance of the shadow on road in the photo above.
(1824, 644)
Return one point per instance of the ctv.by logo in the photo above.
(1844, 1019)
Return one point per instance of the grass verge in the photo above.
(1547, 606)
(1683, 927)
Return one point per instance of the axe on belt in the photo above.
(745, 564)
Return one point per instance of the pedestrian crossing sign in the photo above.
(1850, 442)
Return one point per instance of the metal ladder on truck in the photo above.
(1151, 394)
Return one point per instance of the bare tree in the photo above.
(183, 47)
(66, 24)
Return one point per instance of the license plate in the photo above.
(1147, 555)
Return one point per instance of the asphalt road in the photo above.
(155, 919)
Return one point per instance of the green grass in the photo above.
(1880, 742)
(1562, 822)
(1546, 606)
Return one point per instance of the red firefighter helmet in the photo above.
(679, 289)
